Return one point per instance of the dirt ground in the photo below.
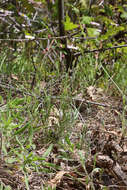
(101, 161)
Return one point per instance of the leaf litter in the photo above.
(93, 157)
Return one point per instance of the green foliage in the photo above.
(93, 32)
(87, 20)
(4, 187)
(68, 24)
(37, 93)
(28, 6)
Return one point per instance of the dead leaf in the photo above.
(53, 182)
(119, 173)
(42, 85)
(14, 77)
(55, 116)
(125, 147)
(91, 92)
(94, 93)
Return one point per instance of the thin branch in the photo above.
(32, 38)
(85, 101)
(54, 97)
(68, 36)
(101, 49)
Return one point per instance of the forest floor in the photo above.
(99, 163)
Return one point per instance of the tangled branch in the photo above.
(31, 38)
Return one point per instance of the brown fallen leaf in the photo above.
(94, 93)
(119, 173)
(14, 77)
(53, 182)
(104, 161)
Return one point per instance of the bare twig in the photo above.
(85, 101)
(101, 49)
(9, 87)
(52, 38)
(65, 37)
(54, 97)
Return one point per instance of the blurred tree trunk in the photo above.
(68, 53)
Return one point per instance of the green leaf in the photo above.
(108, 10)
(87, 20)
(124, 15)
(84, 3)
(112, 30)
(68, 24)
(22, 129)
(26, 182)
(16, 102)
(47, 151)
(93, 32)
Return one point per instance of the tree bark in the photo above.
(68, 53)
